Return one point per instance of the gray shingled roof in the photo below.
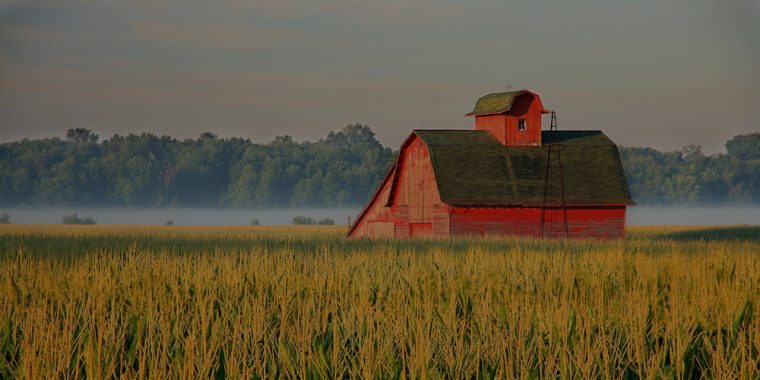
(472, 169)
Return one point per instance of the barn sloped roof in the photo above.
(495, 103)
(474, 169)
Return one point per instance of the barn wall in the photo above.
(418, 193)
(601, 222)
(495, 124)
(526, 107)
(416, 209)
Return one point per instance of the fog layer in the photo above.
(637, 216)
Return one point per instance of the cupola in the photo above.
(513, 118)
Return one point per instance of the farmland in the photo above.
(303, 302)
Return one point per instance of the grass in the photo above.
(303, 302)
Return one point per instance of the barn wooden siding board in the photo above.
(375, 212)
(490, 181)
(419, 189)
(418, 193)
(441, 219)
(582, 222)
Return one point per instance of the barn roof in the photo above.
(497, 103)
(474, 169)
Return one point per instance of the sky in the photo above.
(659, 73)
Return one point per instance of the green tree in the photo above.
(242, 189)
(81, 136)
(744, 147)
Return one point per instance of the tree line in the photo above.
(342, 169)
(149, 170)
(689, 177)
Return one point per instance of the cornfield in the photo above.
(303, 302)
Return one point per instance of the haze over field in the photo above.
(648, 73)
(637, 216)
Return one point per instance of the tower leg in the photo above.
(553, 181)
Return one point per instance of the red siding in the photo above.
(591, 222)
(376, 219)
(495, 124)
(524, 107)
(420, 229)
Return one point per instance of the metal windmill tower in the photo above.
(554, 208)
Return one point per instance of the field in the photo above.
(303, 302)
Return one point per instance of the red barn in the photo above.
(492, 180)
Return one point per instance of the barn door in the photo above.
(420, 229)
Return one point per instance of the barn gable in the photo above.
(407, 202)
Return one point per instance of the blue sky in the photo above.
(647, 72)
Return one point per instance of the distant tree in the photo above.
(326, 222)
(352, 134)
(284, 140)
(689, 177)
(207, 136)
(150, 170)
(254, 222)
(744, 147)
(303, 220)
(692, 153)
(202, 169)
(5, 218)
(242, 188)
(81, 136)
(271, 188)
(169, 223)
(59, 187)
(75, 219)
(308, 190)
